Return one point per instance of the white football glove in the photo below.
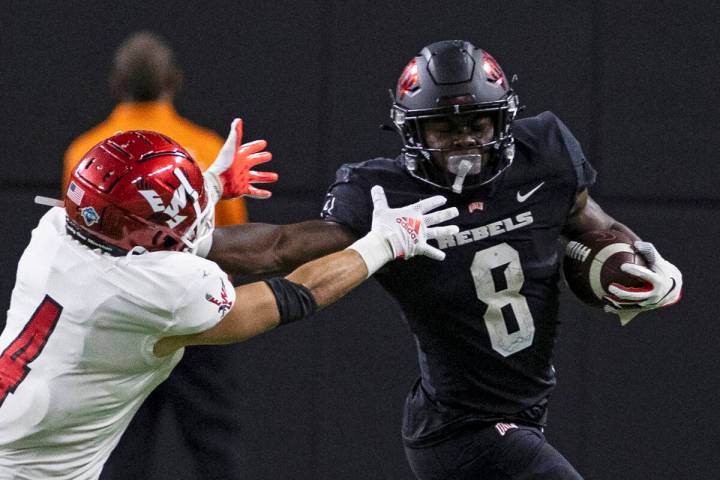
(664, 285)
(403, 232)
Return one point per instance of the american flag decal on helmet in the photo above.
(75, 193)
(223, 304)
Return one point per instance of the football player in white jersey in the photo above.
(113, 286)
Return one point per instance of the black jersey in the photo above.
(485, 318)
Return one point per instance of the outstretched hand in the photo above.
(233, 166)
(403, 232)
(407, 229)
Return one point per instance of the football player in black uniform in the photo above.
(485, 319)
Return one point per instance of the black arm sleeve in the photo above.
(294, 301)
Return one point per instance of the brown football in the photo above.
(592, 262)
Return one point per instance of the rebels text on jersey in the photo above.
(485, 318)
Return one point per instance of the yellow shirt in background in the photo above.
(201, 143)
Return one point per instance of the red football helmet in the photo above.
(138, 190)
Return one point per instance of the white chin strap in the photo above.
(462, 166)
(198, 236)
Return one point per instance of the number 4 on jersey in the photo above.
(27, 346)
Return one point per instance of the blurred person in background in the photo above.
(200, 395)
(145, 80)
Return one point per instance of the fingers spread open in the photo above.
(252, 147)
(440, 216)
(439, 232)
(258, 158)
(378, 197)
(262, 177)
(258, 193)
(427, 204)
(237, 127)
(432, 252)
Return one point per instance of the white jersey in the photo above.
(77, 352)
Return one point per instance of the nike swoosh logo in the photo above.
(521, 198)
(669, 291)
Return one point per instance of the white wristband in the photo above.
(374, 250)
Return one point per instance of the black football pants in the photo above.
(495, 452)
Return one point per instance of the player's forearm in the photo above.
(263, 249)
(331, 277)
(262, 306)
(247, 248)
(257, 309)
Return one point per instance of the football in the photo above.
(592, 262)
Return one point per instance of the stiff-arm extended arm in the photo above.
(264, 249)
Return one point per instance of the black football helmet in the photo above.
(448, 78)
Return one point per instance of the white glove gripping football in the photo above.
(664, 285)
(230, 175)
(403, 232)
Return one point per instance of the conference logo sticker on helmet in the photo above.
(90, 216)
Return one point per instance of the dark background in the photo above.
(637, 82)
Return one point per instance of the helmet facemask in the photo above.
(453, 80)
(480, 164)
(203, 225)
(204, 219)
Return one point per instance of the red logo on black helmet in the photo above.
(409, 81)
(493, 71)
